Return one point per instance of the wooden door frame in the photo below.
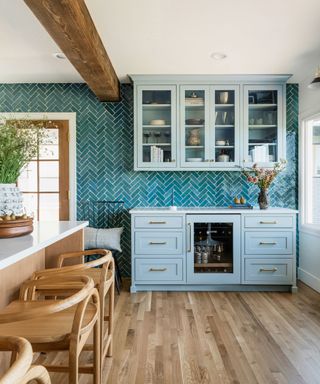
(71, 118)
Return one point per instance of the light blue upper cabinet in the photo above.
(156, 127)
(208, 122)
(264, 124)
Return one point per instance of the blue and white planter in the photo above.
(11, 200)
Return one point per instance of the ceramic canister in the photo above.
(10, 199)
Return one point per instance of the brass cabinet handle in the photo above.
(157, 242)
(267, 243)
(157, 222)
(157, 269)
(268, 270)
(268, 222)
(189, 237)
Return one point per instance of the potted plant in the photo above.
(19, 142)
(263, 178)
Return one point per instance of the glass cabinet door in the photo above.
(263, 124)
(194, 126)
(156, 127)
(224, 128)
(213, 249)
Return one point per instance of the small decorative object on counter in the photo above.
(240, 203)
(13, 226)
(263, 178)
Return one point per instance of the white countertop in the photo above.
(203, 210)
(45, 233)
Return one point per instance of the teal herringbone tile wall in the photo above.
(105, 154)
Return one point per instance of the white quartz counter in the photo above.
(213, 210)
(44, 234)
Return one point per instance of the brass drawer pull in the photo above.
(268, 270)
(157, 242)
(267, 243)
(157, 222)
(268, 222)
(157, 269)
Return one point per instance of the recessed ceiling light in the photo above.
(59, 55)
(218, 55)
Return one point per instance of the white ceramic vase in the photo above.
(11, 200)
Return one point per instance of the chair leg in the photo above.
(117, 268)
(111, 311)
(96, 353)
(73, 364)
(116, 277)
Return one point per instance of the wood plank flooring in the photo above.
(214, 337)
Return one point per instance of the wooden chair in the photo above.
(21, 371)
(104, 280)
(61, 324)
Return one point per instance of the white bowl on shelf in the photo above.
(158, 122)
(194, 159)
(220, 142)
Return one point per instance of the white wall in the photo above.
(309, 99)
(309, 253)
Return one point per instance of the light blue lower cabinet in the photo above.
(268, 243)
(158, 243)
(268, 271)
(213, 250)
(163, 271)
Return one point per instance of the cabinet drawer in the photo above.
(268, 271)
(268, 243)
(266, 221)
(165, 270)
(150, 222)
(158, 243)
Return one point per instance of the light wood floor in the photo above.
(216, 338)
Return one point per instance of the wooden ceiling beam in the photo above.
(70, 25)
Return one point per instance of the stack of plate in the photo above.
(194, 101)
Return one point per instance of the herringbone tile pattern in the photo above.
(105, 154)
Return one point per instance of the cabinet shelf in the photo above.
(224, 125)
(156, 106)
(263, 126)
(157, 144)
(194, 125)
(222, 106)
(194, 146)
(254, 144)
(156, 126)
(224, 146)
(262, 106)
(213, 265)
(195, 106)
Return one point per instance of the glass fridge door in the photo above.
(214, 249)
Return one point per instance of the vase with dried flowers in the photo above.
(263, 178)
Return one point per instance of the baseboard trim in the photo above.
(309, 279)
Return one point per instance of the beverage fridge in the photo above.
(213, 249)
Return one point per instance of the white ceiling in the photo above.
(172, 37)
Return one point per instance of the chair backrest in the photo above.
(20, 370)
(102, 213)
(106, 261)
(82, 287)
